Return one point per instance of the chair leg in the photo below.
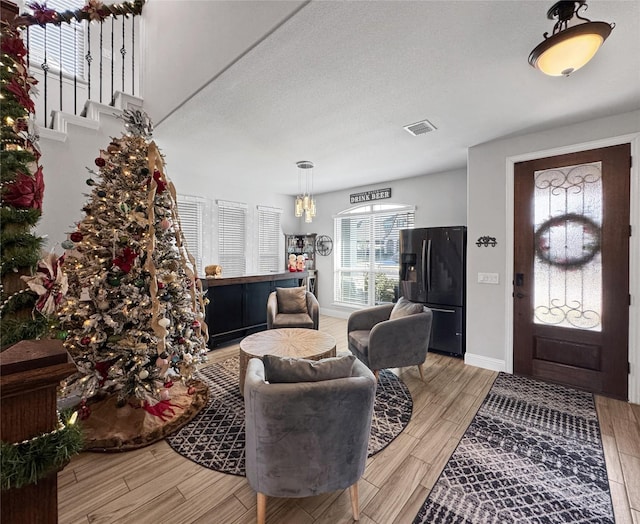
(421, 372)
(261, 508)
(355, 503)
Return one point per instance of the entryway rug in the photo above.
(215, 437)
(532, 454)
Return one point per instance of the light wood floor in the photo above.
(157, 485)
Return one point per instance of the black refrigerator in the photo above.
(432, 271)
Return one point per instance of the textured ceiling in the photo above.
(336, 82)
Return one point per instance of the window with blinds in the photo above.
(64, 44)
(191, 211)
(232, 243)
(366, 256)
(269, 239)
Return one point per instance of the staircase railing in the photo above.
(78, 55)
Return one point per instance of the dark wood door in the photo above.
(571, 269)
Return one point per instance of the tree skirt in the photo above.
(215, 438)
(110, 428)
(532, 454)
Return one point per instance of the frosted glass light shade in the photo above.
(567, 51)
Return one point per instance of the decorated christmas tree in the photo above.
(22, 190)
(134, 312)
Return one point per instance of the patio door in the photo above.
(571, 269)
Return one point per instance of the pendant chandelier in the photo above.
(305, 203)
(568, 48)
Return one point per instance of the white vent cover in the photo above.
(420, 128)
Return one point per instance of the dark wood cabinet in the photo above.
(238, 305)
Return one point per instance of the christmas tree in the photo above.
(22, 190)
(134, 312)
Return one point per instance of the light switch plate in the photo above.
(488, 278)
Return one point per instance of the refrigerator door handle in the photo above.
(442, 310)
(428, 262)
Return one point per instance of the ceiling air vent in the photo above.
(420, 128)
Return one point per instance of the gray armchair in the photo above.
(307, 438)
(292, 308)
(391, 336)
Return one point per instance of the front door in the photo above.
(571, 269)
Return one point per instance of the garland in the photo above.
(31, 460)
(94, 10)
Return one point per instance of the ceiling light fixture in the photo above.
(305, 203)
(568, 48)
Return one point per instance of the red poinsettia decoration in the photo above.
(22, 95)
(125, 260)
(13, 46)
(42, 14)
(161, 184)
(26, 191)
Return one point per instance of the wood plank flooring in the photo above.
(157, 485)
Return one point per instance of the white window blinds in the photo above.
(367, 252)
(232, 220)
(269, 232)
(65, 44)
(191, 211)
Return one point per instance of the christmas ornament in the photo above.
(84, 411)
(138, 282)
(143, 374)
(50, 283)
(160, 285)
(124, 207)
(102, 193)
(164, 322)
(91, 182)
(67, 244)
(125, 260)
(113, 281)
(62, 335)
(100, 162)
(76, 236)
(195, 324)
(85, 341)
(165, 223)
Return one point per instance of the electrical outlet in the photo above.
(488, 278)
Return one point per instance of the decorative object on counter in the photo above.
(486, 241)
(305, 203)
(324, 245)
(214, 270)
(568, 48)
(300, 263)
(292, 263)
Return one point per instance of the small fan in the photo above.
(324, 245)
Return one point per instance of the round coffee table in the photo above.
(285, 342)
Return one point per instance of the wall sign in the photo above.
(368, 196)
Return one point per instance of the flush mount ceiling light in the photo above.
(568, 48)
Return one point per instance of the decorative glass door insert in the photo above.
(567, 236)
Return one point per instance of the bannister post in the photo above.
(8, 11)
(30, 372)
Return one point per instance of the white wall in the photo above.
(489, 213)
(440, 200)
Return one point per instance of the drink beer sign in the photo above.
(368, 196)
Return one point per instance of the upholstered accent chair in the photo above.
(391, 335)
(292, 307)
(308, 434)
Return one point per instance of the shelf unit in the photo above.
(301, 245)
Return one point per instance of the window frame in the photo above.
(371, 268)
(269, 239)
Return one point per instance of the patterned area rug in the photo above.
(215, 437)
(532, 454)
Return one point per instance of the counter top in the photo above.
(263, 277)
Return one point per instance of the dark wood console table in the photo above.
(238, 305)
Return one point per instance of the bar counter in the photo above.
(238, 305)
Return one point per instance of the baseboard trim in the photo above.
(336, 313)
(481, 361)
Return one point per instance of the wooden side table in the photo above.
(285, 342)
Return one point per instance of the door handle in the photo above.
(520, 295)
(519, 280)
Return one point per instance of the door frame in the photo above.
(634, 248)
